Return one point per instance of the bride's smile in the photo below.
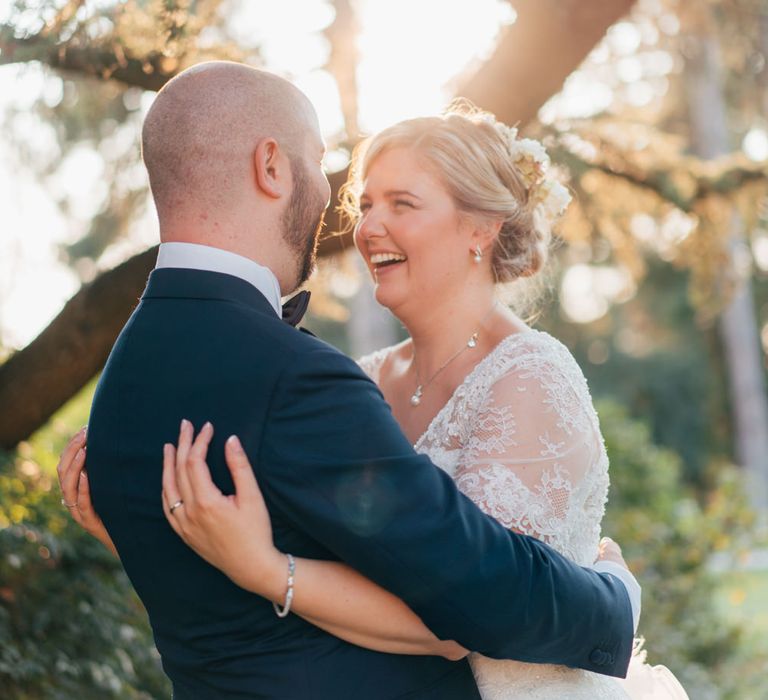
(385, 261)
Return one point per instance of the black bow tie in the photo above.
(295, 308)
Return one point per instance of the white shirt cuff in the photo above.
(630, 583)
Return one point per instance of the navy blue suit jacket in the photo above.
(341, 483)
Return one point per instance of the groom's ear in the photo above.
(272, 168)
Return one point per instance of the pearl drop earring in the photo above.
(478, 254)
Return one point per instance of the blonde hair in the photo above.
(467, 149)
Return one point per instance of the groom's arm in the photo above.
(334, 462)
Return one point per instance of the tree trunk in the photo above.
(37, 381)
(370, 326)
(737, 325)
(342, 35)
(536, 55)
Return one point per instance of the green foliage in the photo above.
(668, 538)
(70, 624)
(650, 355)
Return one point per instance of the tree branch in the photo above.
(660, 182)
(538, 52)
(38, 380)
(150, 72)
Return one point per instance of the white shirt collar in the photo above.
(193, 256)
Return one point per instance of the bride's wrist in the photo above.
(271, 580)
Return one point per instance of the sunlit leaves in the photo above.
(624, 173)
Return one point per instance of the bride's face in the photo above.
(410, 233)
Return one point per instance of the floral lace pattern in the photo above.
(520, 437)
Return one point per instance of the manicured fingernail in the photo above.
(208, 425)
(80, 454)
(184, 423)
(234, 443)
(84, 475)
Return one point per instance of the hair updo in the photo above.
(473, 156)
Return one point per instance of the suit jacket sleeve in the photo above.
(335, 463)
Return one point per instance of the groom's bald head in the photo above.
(200, 133)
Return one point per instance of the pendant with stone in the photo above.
(416, 398)
(472, 342)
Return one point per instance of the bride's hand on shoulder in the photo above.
(76, 492)
(609, 550)
(233, 533)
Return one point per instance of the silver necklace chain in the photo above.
(471, 343)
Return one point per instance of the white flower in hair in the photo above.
(553, 198)
(530, 149)
(532, 162)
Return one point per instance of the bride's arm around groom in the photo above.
(349, 476)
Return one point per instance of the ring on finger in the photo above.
(68, 505)
(176, 505)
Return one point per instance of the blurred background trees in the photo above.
(659, 284)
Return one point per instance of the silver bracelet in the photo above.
(289, 593)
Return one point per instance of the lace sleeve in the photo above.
(532, 456)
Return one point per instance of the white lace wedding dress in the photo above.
(521, 438)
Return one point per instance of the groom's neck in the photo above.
(264, 247)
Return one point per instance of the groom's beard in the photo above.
(303, 221)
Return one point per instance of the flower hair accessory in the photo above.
(530, 158)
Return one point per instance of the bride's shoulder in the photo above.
(536, 354)
(532, 376)
(532, 344)
(373, 362)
